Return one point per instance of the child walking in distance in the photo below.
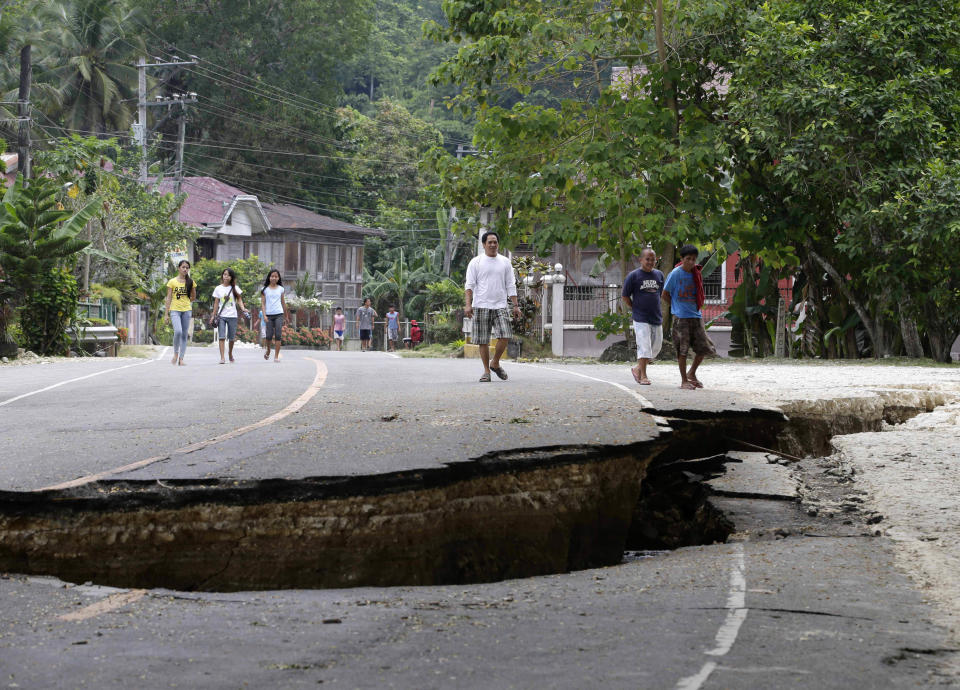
(365, 316)
(393, 328)
(683, 291)
(339, 327)
(226, 302)
(274, 308)
(181, 291)
(641, 295)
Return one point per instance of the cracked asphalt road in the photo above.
(823, 605)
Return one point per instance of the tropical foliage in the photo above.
(39, 245)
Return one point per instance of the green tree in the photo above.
(38, 242)
(265, 74)
(844, 133)
(135, 228)
(89, 59)
(396, 60)
(579, 158)
(250, 273)
(384, 163)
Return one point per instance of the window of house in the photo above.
(270, 253)
(330, 259)
(713, 285)
(291, 262)
(311, 258)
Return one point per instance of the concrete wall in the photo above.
(582, 342)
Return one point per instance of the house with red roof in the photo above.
(236, 225)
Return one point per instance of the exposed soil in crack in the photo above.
(505, 515)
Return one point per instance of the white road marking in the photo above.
(304, 398)
(727, 634)
(81, 378)
(111, 603)
(644, 403)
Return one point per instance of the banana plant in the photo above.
(37, 234)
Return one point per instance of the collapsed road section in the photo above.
(503, 515)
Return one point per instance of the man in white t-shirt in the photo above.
(489, 283)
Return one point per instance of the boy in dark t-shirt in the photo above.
(641, 294)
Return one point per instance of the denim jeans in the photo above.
(180, 320)
(227, 328)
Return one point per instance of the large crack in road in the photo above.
(503, 515)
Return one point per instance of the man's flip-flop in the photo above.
(644, 382)
(499, 372)
(636, 375)
(696, 383)
(485, 378)
(688, 386)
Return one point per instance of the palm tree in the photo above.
(90, 63)
(404, 278)
(18, 28)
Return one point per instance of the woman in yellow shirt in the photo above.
(181, 291)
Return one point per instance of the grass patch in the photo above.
(433, 350)
(140, 351)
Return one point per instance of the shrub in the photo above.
(443, 332)
(246, 335)
(164, 334)
(310, 337)
(46, 311)
(205, 336)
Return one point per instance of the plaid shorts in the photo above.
(487, 322)
(689, 334)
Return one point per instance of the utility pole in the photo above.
(181, 139)
(140, 129)
(450, 244)
(23, 113)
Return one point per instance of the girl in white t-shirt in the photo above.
(226, 301)
(273, 306)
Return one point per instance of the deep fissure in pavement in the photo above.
(504, 515)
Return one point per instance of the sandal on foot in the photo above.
(696, 383)
(485, 378)
(636, 375)
(644, 382)
(688, 386)
(499, 372)
(266, 355)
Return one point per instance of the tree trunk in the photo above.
(667, 259)
(881, 345)
(941, 333)
(909, 331)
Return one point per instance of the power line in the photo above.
(233, 147)
(362, 191)
(194, 154)
(354, 209)
(299, 101)
(202, 192)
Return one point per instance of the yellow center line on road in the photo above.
(81, 378)
(111, 603)
(304, 398)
